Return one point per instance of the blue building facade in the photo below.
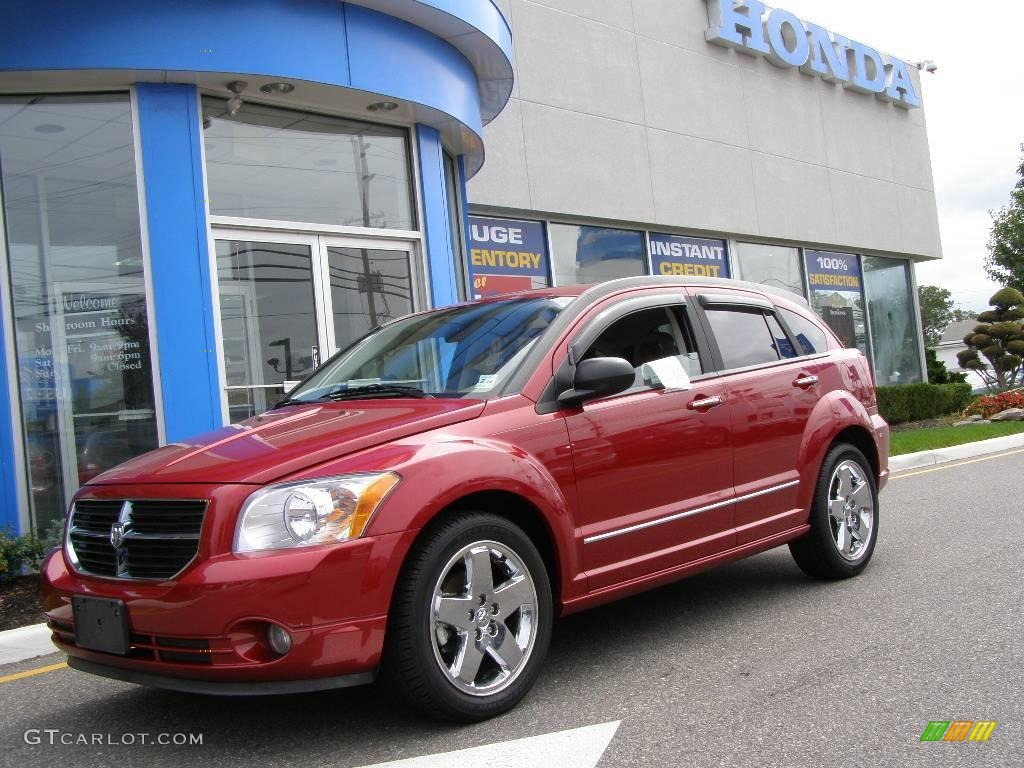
(201, 201)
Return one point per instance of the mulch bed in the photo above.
(20, 602)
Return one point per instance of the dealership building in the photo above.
(201, 201)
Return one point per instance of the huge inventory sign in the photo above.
(506, 255)
(690, 256)
(837, 294)
(756, 30)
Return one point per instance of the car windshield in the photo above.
(465, 351)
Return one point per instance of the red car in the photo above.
(430, 499)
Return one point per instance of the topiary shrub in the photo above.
(994, 348)
(919, 402)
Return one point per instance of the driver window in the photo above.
(646, 336)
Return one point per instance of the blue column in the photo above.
(10, 435)
(437, 225)
(169, 125)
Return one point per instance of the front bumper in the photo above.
(209, 624)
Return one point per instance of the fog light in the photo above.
(279, 639)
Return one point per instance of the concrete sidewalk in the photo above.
(955, 453)
(25, 643)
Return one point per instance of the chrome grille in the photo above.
(155, 539)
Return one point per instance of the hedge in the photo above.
(917, 402)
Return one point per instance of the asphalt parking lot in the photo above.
(749, 665)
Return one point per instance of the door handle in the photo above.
(705, 403)
(805, 382)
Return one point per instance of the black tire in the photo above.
(409, 665)
(817, 553)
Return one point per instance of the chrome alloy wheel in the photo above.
(851, 510)
(483, 618)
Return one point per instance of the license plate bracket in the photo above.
(101, 624)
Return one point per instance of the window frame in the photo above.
(604, 318)
(741, 302)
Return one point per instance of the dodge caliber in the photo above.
(424, 505)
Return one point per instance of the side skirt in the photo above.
(669, 575)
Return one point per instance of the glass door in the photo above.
(288, 301)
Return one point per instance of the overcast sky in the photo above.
(974, 108)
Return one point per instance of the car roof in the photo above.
(594, 292)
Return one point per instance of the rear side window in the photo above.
(743, 337)
(809, 337)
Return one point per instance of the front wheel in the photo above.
(470, 621)
(844, 518)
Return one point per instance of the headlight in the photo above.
(307, 513)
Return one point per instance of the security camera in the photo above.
(928, 66)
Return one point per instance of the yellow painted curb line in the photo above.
(33, 672)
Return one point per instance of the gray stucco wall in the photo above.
(622, 111)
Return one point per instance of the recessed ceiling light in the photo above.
(277, 88)
(49, 128)
(383, 106)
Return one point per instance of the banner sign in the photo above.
(507, 247)
(688, 256)
(837, 294)
(833, 271)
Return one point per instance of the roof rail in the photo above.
(645, 281)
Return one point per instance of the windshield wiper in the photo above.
(377, 390)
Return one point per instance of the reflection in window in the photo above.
(895, 340)
(772, 265)
(78, 292)
(269, 163)
(595, 254)
(368, 288)
(743, 337)
(811, 338)
(268, 320)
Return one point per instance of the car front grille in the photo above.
(155, 539)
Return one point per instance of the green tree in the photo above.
(995, 348)
(938, 373)
(960, 314)
(1005, 262)
(936, 312)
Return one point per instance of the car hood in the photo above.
(282, 442)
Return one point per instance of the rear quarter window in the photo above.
(810, 339)
(743, 337)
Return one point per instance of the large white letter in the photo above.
(901, 90)
(789, 48)
(737, 24)
(868, 69)
(829, 58)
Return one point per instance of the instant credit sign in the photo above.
(688, 256)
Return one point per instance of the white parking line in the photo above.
(576, 748)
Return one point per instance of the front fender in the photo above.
(438, 473)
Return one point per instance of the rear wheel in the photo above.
(470, 621)
(844, 518)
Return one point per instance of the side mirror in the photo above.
(598, 377)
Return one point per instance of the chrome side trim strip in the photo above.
(688, 513)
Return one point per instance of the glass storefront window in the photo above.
(772, 265)
(269, 163)
(837, 295)
(895, 339)
(78, 291)
(595, 254)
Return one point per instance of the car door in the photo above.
(771, 394)
(653, 465)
